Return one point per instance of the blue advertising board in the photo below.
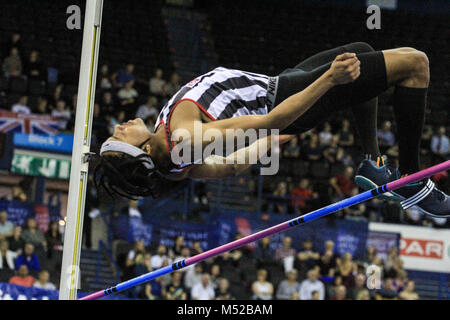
(61, 143)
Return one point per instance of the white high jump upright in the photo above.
(70, 271)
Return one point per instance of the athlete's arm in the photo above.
(344, 69)
(215, 167)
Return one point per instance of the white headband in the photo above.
(126, 148)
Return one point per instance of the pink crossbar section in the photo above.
(419, 175)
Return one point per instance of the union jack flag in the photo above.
(27, 123)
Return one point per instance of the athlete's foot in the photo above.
(372, 174)
(423, 194)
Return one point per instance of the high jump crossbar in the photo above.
(80, 154)
(367, 195)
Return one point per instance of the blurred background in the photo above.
(148, 50)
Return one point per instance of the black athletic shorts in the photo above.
(371, 83)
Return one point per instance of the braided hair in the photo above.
(121, 174)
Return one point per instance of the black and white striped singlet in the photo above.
(221, 94)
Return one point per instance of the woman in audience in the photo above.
(261, 288)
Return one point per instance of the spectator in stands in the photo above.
(7, 256)
(311, 284)
(125, 76)
(14, 41)
(363, 295)
(127, 95)
(133, 209)
(178, 246)
(285, 251)
(43, 282)
(175, 289)
(18, 194)
(215, 274)
(440, 145)
(341, 293)
(193, 276)
(12, 65)
(21, 106)
(34, 67)
(184, 254)
(325, 135)
(345, 136)
(203, 290)
(22, 278)
(332, 153)
(62, 114)
(157, 83)
(360, 285)
(355, 212)
(6, 227)
(28, 258)
(104, 77)
(327, 263)
(385, 136)
(148, 109)
(134, 255)
(152, 290)
(408, 292)
(307, 258)
(279, 203)
(16, 242)
(196, 248)
(289, 288)
(371, 253)
(391, 257)
(313, 150)
(42, 106)
(396, 268)
(343, 184)
(261, 288)
(345, 268)
(107, 103)
(54, 239)
(173, 85)
(33, 235)
(387, 292)
(263, 253)
(301, 195)
(291, 150)
(332, 287)
(223, 291)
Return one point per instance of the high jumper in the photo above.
(136, 162)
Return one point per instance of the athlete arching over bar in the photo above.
(136, 162)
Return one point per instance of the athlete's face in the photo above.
(133, 132)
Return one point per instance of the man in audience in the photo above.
(157, 83)
(285, 254)
(7, 256)
(33, 235)
(408, 292)
(21, 106)
(193, 276)
(341, 293)
(311, 284)
(28, 258)
(22, 278)
(148, 109)
(223, 292)
(43, 282)
(301, 195)
(12, 65)
(440, 145)
(62, 114)
(387, 292)
(125, 76)
(385, 136)
(6, 227)
(288, 289)
(343, 184)
(203, 290)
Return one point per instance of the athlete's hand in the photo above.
(345, 68)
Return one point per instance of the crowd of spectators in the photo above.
(331, 154)
(28, 255)
(267, 272)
